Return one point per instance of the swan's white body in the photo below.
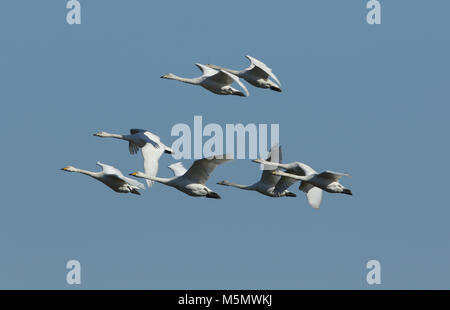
(150, 144)
(191, 181)
(312, 182)
(257, 74)
(267, 184)
(111, 177)
(216, 81)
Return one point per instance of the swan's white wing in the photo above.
(132, 182)
(107, 169)
(259, 68)
(301, 169)
(207, 71)
(295, 168)
(201, 169)
(332, 176)
(226, 78)
(178, 169)
(151, 151)
(146, 136)
(267, 177)
(283, 184)
(140, 137)
(314, 194)
(151, 157)
(151, 136)
(115, 173)
(238, 81)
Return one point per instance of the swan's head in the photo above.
(168, 76)
(138, 174)
(258, 161)
(101, 134)
(69, 169)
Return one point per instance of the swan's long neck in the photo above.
(113, 135)
(235, 72)
(273, 164)
(294, 176)
(95, 175)
(194, 81)
(157, 179)
(244, 187)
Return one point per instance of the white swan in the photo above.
(191, 181)
(266, 185)
(112, 178)
(312, 182)
(216, 81)
(257, 74)
(150, 144)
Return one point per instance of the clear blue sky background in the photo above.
(368, 100)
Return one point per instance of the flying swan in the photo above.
(312, 182)
(266, 185)
(150, 144)
(191, 181)
(257, 74)
(216, 81)
(112, 178)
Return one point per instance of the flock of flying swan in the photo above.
(219, 80)
(276, 177)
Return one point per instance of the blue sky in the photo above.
(368, 100)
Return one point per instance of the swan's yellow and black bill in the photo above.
(65, 168)
(133, 174)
